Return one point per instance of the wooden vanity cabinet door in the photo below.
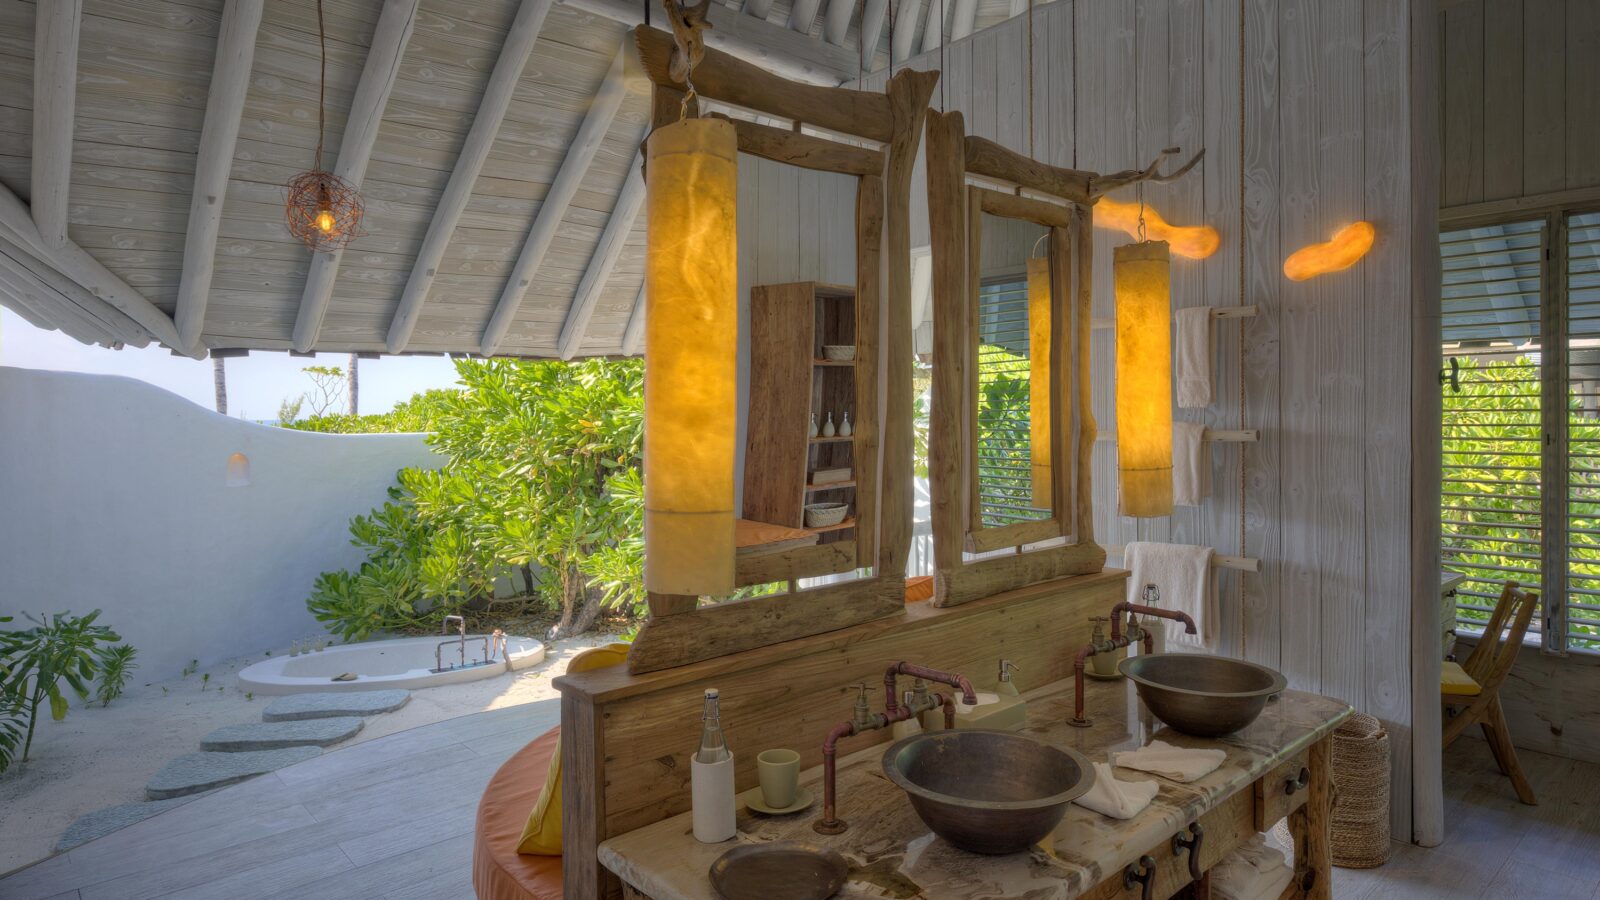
(1273, 799)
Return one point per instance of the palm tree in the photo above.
(219, 380)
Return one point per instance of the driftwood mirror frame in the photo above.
(679, 631)
(954, 210)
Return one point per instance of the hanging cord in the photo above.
(322, 85)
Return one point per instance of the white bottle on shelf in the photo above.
(827, 428)
(711, 779)
(844, 428)
(812, 431)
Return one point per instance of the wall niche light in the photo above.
(1347, 247)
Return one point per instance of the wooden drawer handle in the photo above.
(1142, 872)
(1291, 786)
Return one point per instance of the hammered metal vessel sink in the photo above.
(987, 791)
(1206, 696)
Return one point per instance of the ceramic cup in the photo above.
(779, 773)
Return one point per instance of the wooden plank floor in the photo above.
(391, 819)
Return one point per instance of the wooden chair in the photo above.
(1473, 687)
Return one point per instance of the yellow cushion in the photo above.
(1455, 681)
(542, 835)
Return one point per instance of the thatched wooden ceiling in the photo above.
(144, 147)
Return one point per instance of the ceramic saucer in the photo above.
(753, 799)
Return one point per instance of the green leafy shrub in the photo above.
(116, 665)
(35, 662)
(414, 415)
(541, 477)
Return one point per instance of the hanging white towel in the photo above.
(1255, 871)
(1117, 799)
(1183, 574)
(1194, 357)
(1177, 763)
(1191, 464)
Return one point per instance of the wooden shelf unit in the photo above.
(790, 380)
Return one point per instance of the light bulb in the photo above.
(325, 221)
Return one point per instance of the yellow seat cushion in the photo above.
(1455, 681)
(542, 835)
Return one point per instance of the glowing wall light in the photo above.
(1141, 273)
(691, 351)
(1039, 380)
(1188, 241)
(1349, 245)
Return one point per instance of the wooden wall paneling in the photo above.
(1502, 99)
(1011, 85)
(1463, 102)
(1386, 342)
(867, 461)
(750, 250)
(1055, 52)
(1544, 98)
(981, 112)
(1299, 591)
(1262, 246)
(1341, 385)
(1583, 93)
(780, 386)
(1426, 402)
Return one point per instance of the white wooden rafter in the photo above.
(553, 209)
(903, 39)
(55, 89)
(803, 14)
(230, 82)
(378, 75)
(873, 15)
(962, 18)
(836, 21)
(618, 227)
(933, 30)
(514, 53)
(634, 335)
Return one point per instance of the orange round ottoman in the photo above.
(499, 872)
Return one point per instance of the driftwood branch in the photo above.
(687, 23)
(1100, 185)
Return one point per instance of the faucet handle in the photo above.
(1006, 668)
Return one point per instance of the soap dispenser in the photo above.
(1006, 688)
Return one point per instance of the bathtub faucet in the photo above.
(444, 628)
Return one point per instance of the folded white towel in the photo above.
(1117, 799)
(1164, 759)
(1191, 464)
(1255, 871)
(1183, 574)
(1193, 356)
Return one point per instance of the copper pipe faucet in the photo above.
(1135, 633)
(918, 701)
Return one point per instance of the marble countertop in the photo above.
(893, 854)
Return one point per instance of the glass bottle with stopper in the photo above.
(711, 777)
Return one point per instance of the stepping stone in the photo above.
(322, 706)
(192, 773)
(102, 822)
(277, 735)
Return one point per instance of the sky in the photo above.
(257, 383)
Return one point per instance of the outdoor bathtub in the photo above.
(379, 665)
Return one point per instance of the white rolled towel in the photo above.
(1255, 871)
(1117, 799)
(1177, 763)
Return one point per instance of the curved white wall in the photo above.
(115, 494)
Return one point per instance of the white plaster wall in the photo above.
(113, 494)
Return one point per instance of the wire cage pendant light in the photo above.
(323, 210)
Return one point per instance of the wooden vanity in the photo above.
(1277, 767)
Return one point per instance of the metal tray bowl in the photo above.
(1206, 696)
(781, 870)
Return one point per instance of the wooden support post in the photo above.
(1311, 825)
(869, 345)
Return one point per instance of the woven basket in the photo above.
(1361, 790)
(821, 515)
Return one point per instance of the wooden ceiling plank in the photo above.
(836, 21)
(71, 260)
(603, 260)
(556, 202)
(378, 75)
(55, 88)
(635, 332)
(230, 82)
(497, 95)
(872, 18)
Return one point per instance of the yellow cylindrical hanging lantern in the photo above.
(691, 357)
(1039, 380)
(1141, 273)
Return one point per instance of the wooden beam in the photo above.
(514, 53)
(757, 8)
(873, 15)
(230, 81)
(902, 41)
(378, 74)
(795, 148)
(772, 47)
(65, 305)
(635, 332)
(963, 18)
(933, 31)
(722, 76)
(836, 21)
(55, 88)
(72, 261)
(803, 14)
(623, 214)
(557, 199)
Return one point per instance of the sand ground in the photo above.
(100, 757)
